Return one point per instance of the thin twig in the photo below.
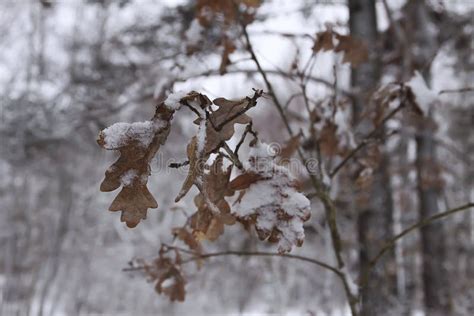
(426, 221)
(178, 164)
(365, 141)
(461, 90)
(330, 209)
(248, 129)
(233, 157)
(265, 254)
(251, 103)
(329, 206)
(290, 76)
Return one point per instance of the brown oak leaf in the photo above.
(168, 276)
(222, 121)
(137, 143)
(188, 238)
(212, 133)
(355, 51)
(324, 41)
(272, 201)
(213, 210)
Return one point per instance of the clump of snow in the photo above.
(194, 33)
(201, 137)
(169, 282)
(274, 200)
(173, 100)
(119, 134)
(424, 96)
(128, 177)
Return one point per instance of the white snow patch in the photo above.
(269, 197)
(173, 100)
(168, 282)
(424, 96)
(118, 134)
(201, 137)
(194, 33)
(128, 177)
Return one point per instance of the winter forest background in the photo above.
(370, 101)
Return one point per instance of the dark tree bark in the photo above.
(375, 208)
(435, 278)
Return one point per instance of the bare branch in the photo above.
(426, 221)
(462, 90)
(290, 76)
(366, 140)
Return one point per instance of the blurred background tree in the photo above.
(69, 69)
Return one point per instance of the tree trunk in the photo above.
(435, 278)
(375, 210)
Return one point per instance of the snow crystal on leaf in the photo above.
(274, 201)
(201, 137)
(119, 134)
(128, 177)
(173, 100)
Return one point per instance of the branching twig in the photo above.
(364, 279)
(329, 207)
(251, 103)
(233, 157)
(248, 129)
(366, 140)
(265, 254)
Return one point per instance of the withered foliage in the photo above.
(278, 219)
(260, 193)
(222, 18)
(168, 276)
(355, 51)
(137, 143)
(134, 199)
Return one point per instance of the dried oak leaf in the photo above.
(272, 201)
(213, 210)
(188, 238)
(226, 10)
(355, 51)
(196, 151)
(244, 180)
(222, 121)
(137, 143)
(194, 169)
(169, 278)
(324, 41)
(212, 133)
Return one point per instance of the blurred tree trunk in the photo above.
(375, 208)
(435, 277)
